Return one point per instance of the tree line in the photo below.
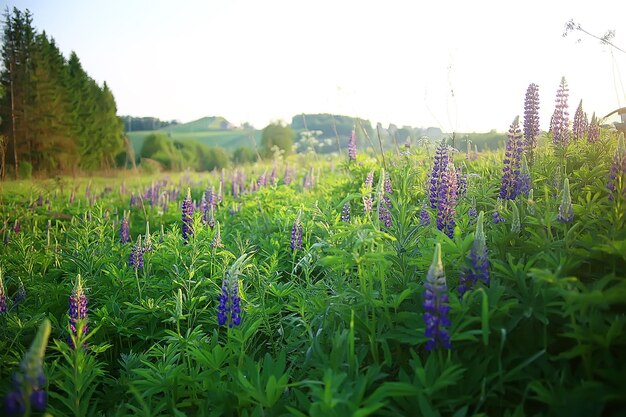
(54, 116)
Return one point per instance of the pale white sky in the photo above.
(386, 61)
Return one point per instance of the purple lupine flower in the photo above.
(512, 160)
(29, 382)
(523, 180)
(471, 212)
(479, 268)
(617, 173)
(187, 216)
(262, 180)
(352, 146)
(436, 306)
(296, 234)
(593, 132)
(497, 217)
(566, 210)
(560, 117)
(78, 311)
(531, 119)
(273, 178)
(133, 200)
(124, 229)
(39, 200)
(17, 226)
(384, 215)
(424, 216)
(217, 238)
(461, 180)
(229, 308)
(447, 201)
(441, 162)
(204, 208)
(345, 213)
(136, 255)
(287, 175)
(3, 296)
(367, 189)
(580, 126)
(20, 294)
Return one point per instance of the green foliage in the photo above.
(244, 155)
(25, 170)
(279, 135)
(336, 328)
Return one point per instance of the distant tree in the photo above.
(244, 155)
(277, 134)
(154, 143)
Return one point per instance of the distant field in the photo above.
(227, 139)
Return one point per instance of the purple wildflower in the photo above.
(345, 213)
(29, 382)
(77, 311)
(566, 210)
(17, 226)
(424, 216)
(512, 159)
(352, 146)
(531, 120)
(136, 255)
(617, 173)
(479, 268)
(580, 126)
(124, 230)
(471, 212)
(296, 234)
(20, 294)
(593, 132)
(187, 216)
(447, 201)
(133, 199)
(441, 162)
(229, 308)
(436, 305)
(523, 180)
(384, 215)
(559, 125)
(367, 189)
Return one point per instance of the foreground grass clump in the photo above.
(409, 285)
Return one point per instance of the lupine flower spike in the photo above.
(29, 382)
(136, 255)
(217, 237)
(229, 308)
(124, 229)
(352, 146)
(20, 294)
(479, 268)
(436, 305)
(593, 132)
(580, 126)
(147, 244)
(366, 191)
(447, 201)
(424, 216)
(296, 233)
(187, 216)
(345, 213)
(524, 180)
(559, 125)
(566, 210)
(509, 188)
(617, 173)
(441, 162)
(78, 310)
(531, 120)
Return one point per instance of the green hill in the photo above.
(210, 131)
